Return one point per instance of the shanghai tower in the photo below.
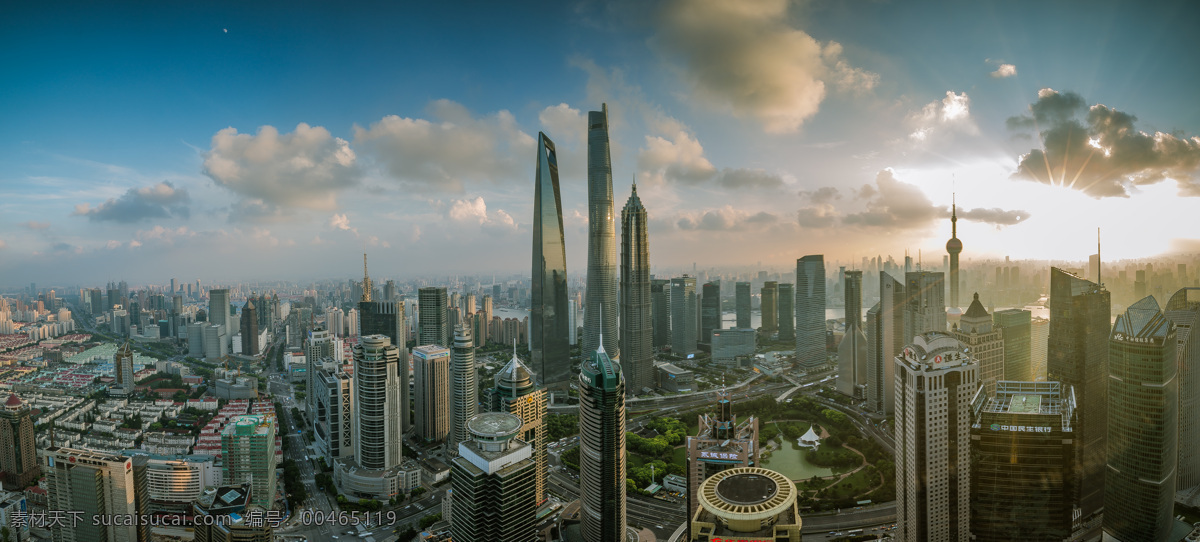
(602, 240)
(637, 331)
(548, 323)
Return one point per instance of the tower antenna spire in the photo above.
(1098, 262)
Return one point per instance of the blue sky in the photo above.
(151, 140)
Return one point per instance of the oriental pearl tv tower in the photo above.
(954, 247)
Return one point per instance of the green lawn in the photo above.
(853, 485)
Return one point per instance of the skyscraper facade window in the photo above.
(786, 312)
(710, 310)
(1018, 346)
(769, 307)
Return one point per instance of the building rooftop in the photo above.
(494, 425)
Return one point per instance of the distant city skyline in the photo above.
(390, 134)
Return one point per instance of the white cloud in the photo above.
(746, 57)
(341, 222)
(446, 154)
(112, 244)
(305, 168)
(952, 113)
(475, 211)
(564, 124)
(1005, 70)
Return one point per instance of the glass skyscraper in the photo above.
(710, 310)
(786, 312)
(1143, 418)
(1183, 310)
(549, 326)
(810, 311)
(1023, 459)
(637, 330)
(433, 317)
(1077, 356)
(741, 303)
(683, 315)
(600, 307)
(770, 300)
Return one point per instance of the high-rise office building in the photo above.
(660, 312)
(710, 310)
(248, 455)
(18, 453)
(602, 242)
(218, 311)
(769, 307)
(123, 371)
(317, 348)
(720, 443)
(464, 394)
(786, 312)
(1143, 424)
(388, 318)
(1077, 356)
(1018, 346)
(1022, 472)
(333, 424)
(1039, 338)
(924, 303)
(433, 317)
(885, 338)
(97, 485)
(374, 472)
(683, 315)
(637, 327)
(935, 382)
(954, 248)
(549, 333)
(741, 303)
(1183, 310)
(810, 311)
(602, 446)
(494, 482)
(249, 325)
(431, 385)
(852, 352)
(516, 392)
(986, 343)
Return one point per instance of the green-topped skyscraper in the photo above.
(601, 448)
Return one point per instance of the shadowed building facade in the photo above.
(1077, 355)
(549, 325)
(1183, 310)
(1022, 462)
(786, 312)
(600, 306)
(741, 304)
(769, 307)
(885, 338)
(710, 310)
(1143, 419)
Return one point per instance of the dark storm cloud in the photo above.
(1102, 154)
(162, 200)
